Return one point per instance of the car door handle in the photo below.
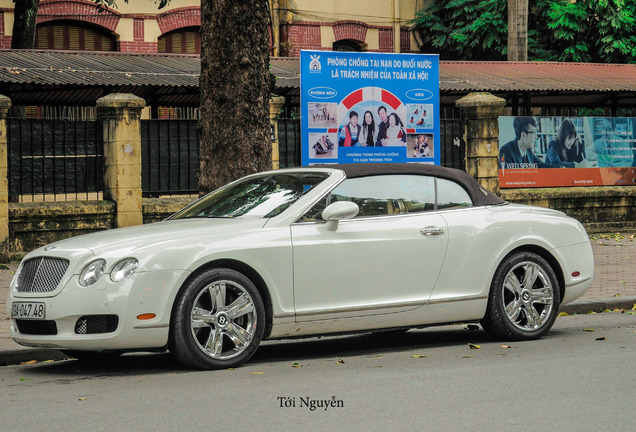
(432, 231)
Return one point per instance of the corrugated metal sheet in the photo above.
(98, 69)
(536, 76)
(507, 76)
(79, 78)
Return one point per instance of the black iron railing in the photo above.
(169, 157)
(54, 160)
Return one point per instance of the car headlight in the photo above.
(123, 269)
(92, 272)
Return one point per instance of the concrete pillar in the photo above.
(481, 111)
(5, 103)
(120, 115)
(275, 106)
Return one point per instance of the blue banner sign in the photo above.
(369, 107)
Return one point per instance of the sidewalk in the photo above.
(614, 286)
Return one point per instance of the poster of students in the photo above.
(371, 107)
(566, 151)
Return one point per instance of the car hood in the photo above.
(157, 235)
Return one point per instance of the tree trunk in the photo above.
(517, 30)
(25, 15)
(234, 127)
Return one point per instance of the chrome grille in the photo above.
(40, 275)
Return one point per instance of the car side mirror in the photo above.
(338, 211)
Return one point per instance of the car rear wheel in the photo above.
(217, 321)
(524, 298)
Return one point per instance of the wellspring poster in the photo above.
(566, 151)
(369, 107)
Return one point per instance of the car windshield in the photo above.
(255, 197)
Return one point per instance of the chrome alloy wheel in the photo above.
(527, 296)
(223, 319)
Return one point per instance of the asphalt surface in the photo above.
(614, 287)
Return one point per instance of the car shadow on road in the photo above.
(284, 351)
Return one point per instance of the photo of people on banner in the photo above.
(389, 130)
(532, 150)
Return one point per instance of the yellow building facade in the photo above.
(138, 26)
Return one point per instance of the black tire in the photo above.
(524, 298)
(217, 321)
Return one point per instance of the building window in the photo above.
(182, 41)
(346, 45)
(60, 35)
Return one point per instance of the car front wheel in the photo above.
(524, 298)
(217, 321)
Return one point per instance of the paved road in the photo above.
(568, 380)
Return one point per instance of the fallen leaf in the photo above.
(506, 346)
(296, 364)
(4, 267)
(418, 356)
(258, 373)
(472, 327)
(473, 346)
(25, 379)
(468, 356)
(340, 362)
(564, 314)
(29, 362)
(620, 283)
(82, 399)
(600, 339)
(634, 307)
(588, 330)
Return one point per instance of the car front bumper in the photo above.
(67, 311)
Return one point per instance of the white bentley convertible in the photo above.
(305, 251)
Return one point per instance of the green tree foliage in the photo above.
(601, 31)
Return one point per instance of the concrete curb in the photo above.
(20, 354)
(598, 305)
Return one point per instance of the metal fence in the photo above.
(169, 157)
(54, 160)
(452, 147)
(288, 142)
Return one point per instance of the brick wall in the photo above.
(350, 30)
(179, 18)
(5, 41)
(302, 36)
(138, 29)
(137, 47)
(386, 40)
(82, 10)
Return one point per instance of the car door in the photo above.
(387, 259)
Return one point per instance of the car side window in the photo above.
(382, 195)
(451, 195)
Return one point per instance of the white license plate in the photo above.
(24, 310)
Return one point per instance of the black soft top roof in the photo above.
(478, 194)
